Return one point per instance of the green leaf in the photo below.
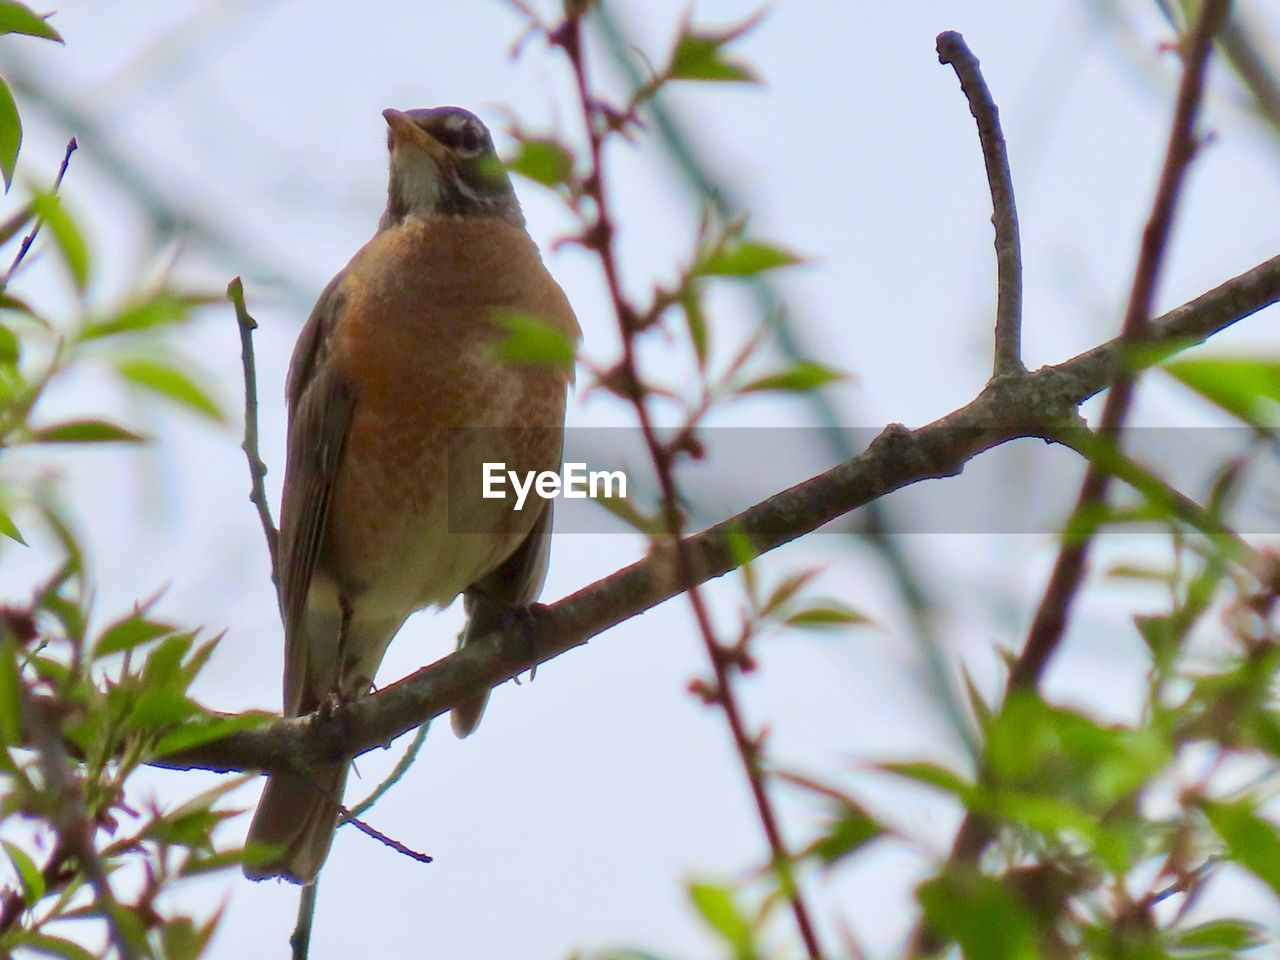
(543, 161)
(786, 591)
(625, 510)
(933, 775)
(164, 664)
(1137, 571)
(1246, 387)
(534, 341)
(696, 321)
(1252, 842)
(191, 828)
(8, 528)
(200, 656)
(715, 905)
(163, 309)
(18, 18)
(1051, 816)
(801, 377)
(170, 382)
(1026, 740)
(129, 632)
(66, 236)
(980, 914)
(52, 946)
(1133, 758)
(852, 830)
(198, 862)
(1034, 746)
(199, 809)
(10, 346)
(183, 940)
(824, 617)
(1161, 634)
(86, 431)
(205, 729)
(162, 699)
(744, 258)
(10, 135)
(1215, 939)
(982, 711)
(33, 885)
(156, 709)
(10, 691)
(700, 55)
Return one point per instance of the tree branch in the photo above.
(1008, 336)
(1034, 406)
(30, 238)
(599, 237)
(257, 469)
(1049, 624)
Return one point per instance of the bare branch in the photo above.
(371, 831)
(30, 238)
(300, 939)
(257, 469)
(1033, 406)
(599, 237)
(391, 779)
(1050, 621)
(1008, 336)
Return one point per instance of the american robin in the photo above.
(398, 355)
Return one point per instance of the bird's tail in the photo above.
(507, 590)
(295, 821)
(483, 617)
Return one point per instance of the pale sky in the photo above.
(573, 818)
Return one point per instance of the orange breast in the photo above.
(415, 342)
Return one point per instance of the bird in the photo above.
(398, 370)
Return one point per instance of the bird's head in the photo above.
(443, 162)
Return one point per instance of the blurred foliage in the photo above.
(82, 709)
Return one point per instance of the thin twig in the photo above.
(1109, 458)
(30, 238)
(394, 777)
(1008, 335)
(1031, 406)
(257, 469)
(372, 831)
(300, 939)
(1049, 624)
(600, 238)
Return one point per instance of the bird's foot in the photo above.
(329, 706)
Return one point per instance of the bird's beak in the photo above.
(407, 133)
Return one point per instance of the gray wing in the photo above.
(516, 581)
(320, 408)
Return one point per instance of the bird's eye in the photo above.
(470, 140)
